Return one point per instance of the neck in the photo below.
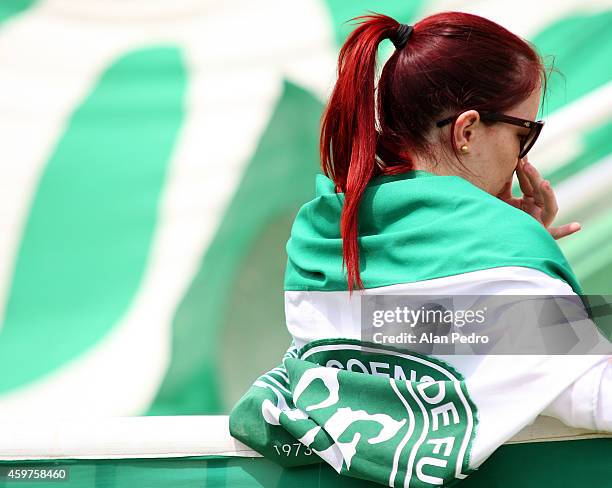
(443, 167)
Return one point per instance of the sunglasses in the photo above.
(527, 141)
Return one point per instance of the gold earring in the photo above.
(464, 148)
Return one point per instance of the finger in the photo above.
(550, 203)
(523, 179)
(564, 230)
(536, 180)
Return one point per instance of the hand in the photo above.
(538, 200)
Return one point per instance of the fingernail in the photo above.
(547, 185)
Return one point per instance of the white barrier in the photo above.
(169, 436)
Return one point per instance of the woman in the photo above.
(416, 199)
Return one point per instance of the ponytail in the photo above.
(348, 130)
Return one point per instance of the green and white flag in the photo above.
(389, 415)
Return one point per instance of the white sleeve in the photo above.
(586, 400)
(512, 390)
(586, 403)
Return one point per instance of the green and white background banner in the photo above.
(153, 154)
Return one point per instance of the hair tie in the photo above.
(401, 35)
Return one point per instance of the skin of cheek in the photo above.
(493, 161)
(506, 148)
(513, 159)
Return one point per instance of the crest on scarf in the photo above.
(374, 413)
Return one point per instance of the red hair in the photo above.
(453, 62)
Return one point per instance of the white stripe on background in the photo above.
(561, 139)
(585, 187)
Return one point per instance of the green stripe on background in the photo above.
(89, 232)
(255, 319)
(591, 251)
(343, 10)
(279, 177)
(582, 49)
(10, 8)
(597, 144)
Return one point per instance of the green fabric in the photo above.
(562, 464)
(417, 226)
(410, 421)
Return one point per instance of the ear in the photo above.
(465, 127)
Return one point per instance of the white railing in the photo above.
(168, 436)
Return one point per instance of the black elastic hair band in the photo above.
(401, 35)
